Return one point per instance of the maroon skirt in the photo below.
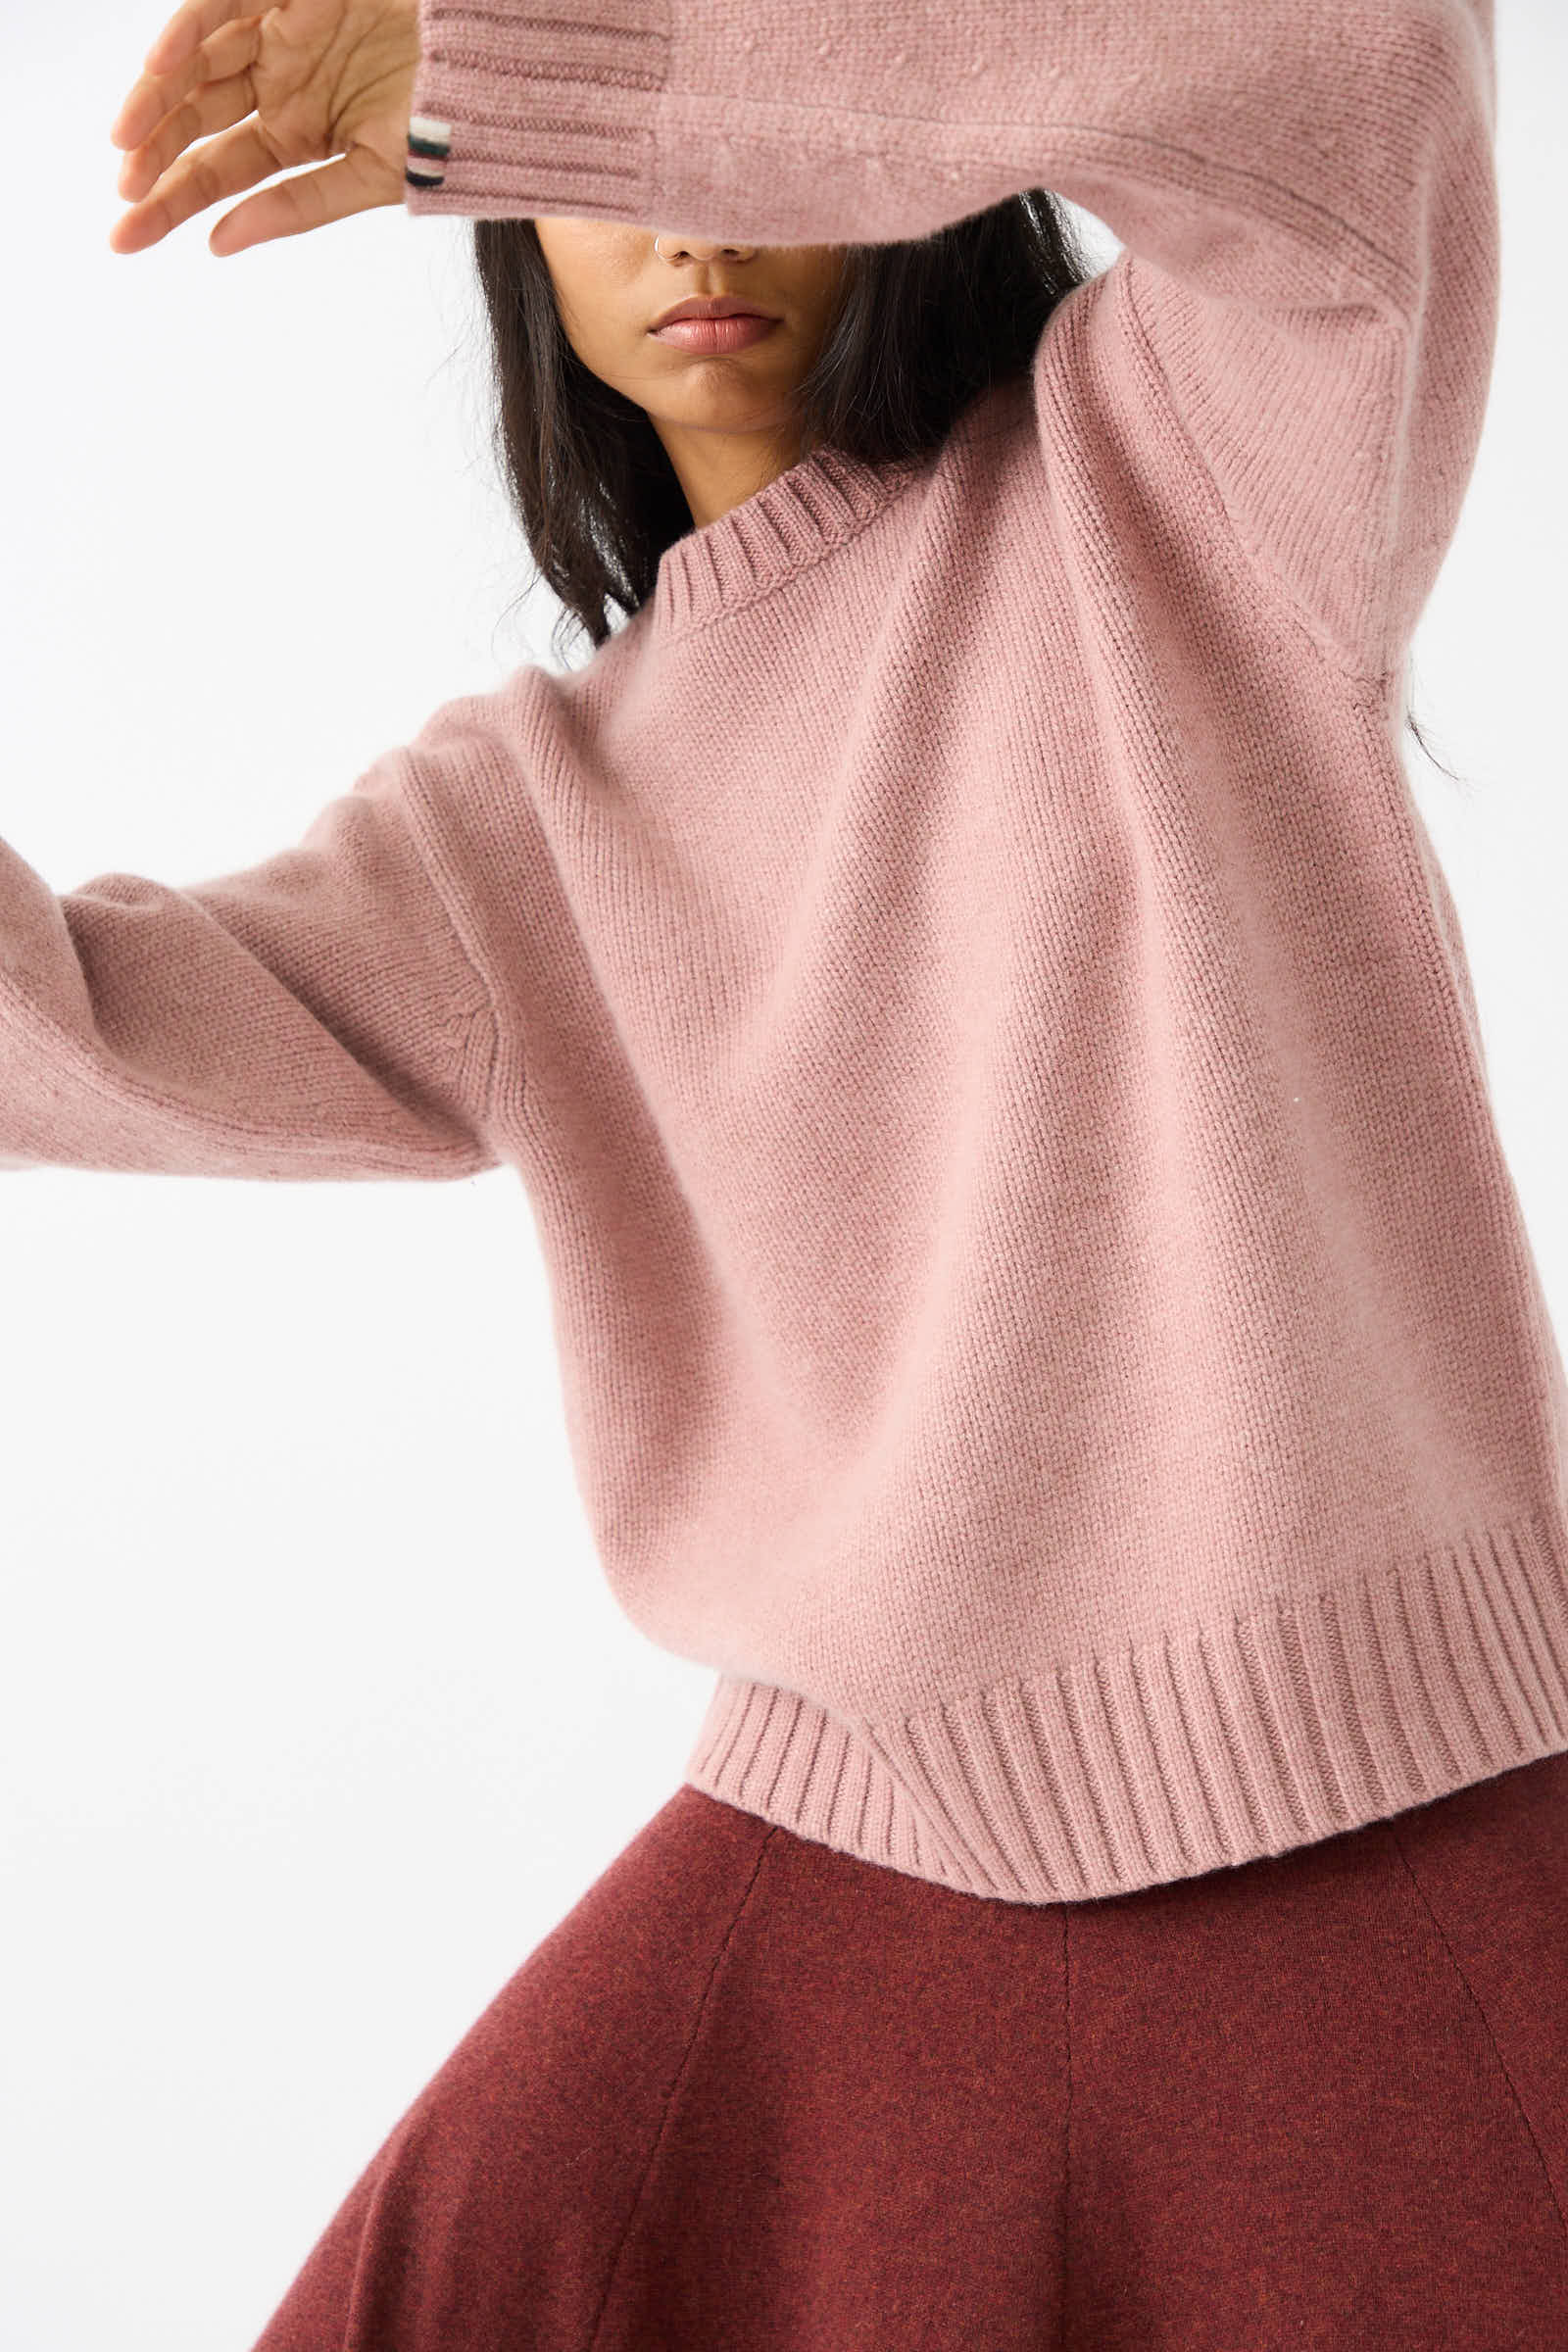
(754, 2095)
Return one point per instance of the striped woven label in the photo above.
(429, 145)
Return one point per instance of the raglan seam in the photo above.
(438, 875)
(1281, 596)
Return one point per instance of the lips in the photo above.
(715, 336)
(718, 306)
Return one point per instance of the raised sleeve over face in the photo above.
(1304, 190)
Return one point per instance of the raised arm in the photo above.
(1304, 189)
(1306, 192)
(313, 1016)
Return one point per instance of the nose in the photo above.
(673, 248)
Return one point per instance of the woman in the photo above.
(1042, 1305)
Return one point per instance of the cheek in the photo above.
(825, 290)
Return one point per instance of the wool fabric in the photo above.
(961, 972)
(751, 2095)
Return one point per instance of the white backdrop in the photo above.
(315, 1713)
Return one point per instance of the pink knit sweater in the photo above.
(1043, 1310)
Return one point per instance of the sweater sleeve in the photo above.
(313, 1016)
(1304, 191)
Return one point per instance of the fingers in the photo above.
(221, 169)
(210, 72)
(192, 24)
(352, 183)
(232, 50)
(215, 108)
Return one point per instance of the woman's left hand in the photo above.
(282, 86)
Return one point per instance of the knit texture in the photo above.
(962, 974)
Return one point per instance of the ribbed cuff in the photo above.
(517, 114)
(1248, 1737)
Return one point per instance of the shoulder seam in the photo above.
(1282, 596)
(436, 871)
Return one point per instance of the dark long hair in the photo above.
(917, 331)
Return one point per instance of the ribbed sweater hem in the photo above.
(1285, 1725)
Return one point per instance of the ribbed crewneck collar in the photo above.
(812, 507)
